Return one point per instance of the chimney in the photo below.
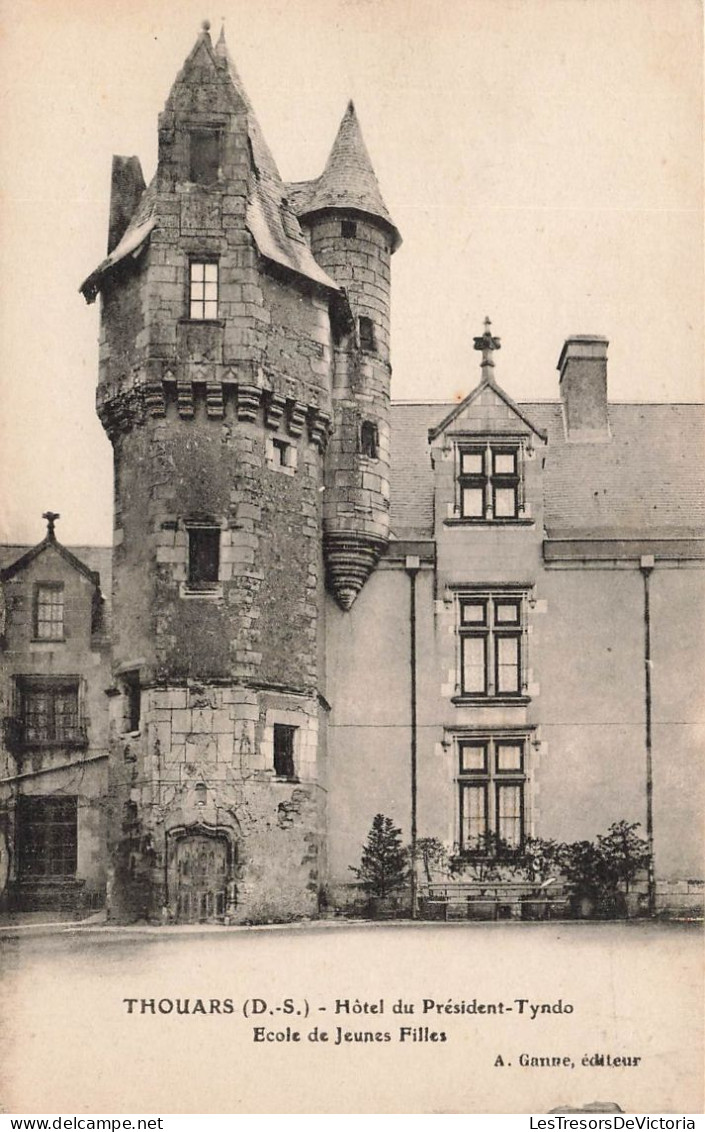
(126, 188)
(583, 385)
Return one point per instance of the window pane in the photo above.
(507, 664)
(474, 612)
(473, 502)
(473, 757)
(210, 309)
(197, 272)
(505, 502)
(474, 664)
(506, 612)
(472, 463)
(210, 271)
(509, 756)
(504, 463)
(474, 811)
(50, 612)
(509, 813)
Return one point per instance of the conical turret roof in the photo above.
(348, 180)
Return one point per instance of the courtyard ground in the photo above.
(418, 1018)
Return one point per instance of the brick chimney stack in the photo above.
(583, 385)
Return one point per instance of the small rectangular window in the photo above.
(284, 750)
(369, 440)
(204, 156)
(203, 557)
(203, 290)
(133, 700)
(367, 334)
(348, 229)
(49, 611)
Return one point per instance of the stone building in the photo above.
(479, 618)
(55, 667)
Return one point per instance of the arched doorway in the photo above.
(200, 865)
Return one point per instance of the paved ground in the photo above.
(69, 1043)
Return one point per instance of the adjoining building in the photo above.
(481, 619)
(54, 670)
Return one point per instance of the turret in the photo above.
(352, 237)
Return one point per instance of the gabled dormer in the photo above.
(484, 455)
(54, 600)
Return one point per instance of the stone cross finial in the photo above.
(487, 344)
(51, 517)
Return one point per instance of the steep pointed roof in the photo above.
(348, 180)
(261, 152)
(270, 219)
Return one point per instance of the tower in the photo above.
(353, 237)
(225, 343)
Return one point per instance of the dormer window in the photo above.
(204, 156)
(203, 290)
(489, 481)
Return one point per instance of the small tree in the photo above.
(384, 863)
(624, 852)
(433, 855)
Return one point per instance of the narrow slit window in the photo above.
(367, 334)
(133, 700)
(369, 440)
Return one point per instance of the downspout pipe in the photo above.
(412, 565)
(646, 566)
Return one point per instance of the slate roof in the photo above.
(647, 482)
(272, 223)
(348, 180)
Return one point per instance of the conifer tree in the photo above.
(384, 862)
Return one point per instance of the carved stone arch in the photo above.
(201, 867)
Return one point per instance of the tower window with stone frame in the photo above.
(203, 290)
(283, 739)
(369, 440)
(203, 556)
(489, 481)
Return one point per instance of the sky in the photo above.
(541, 158)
